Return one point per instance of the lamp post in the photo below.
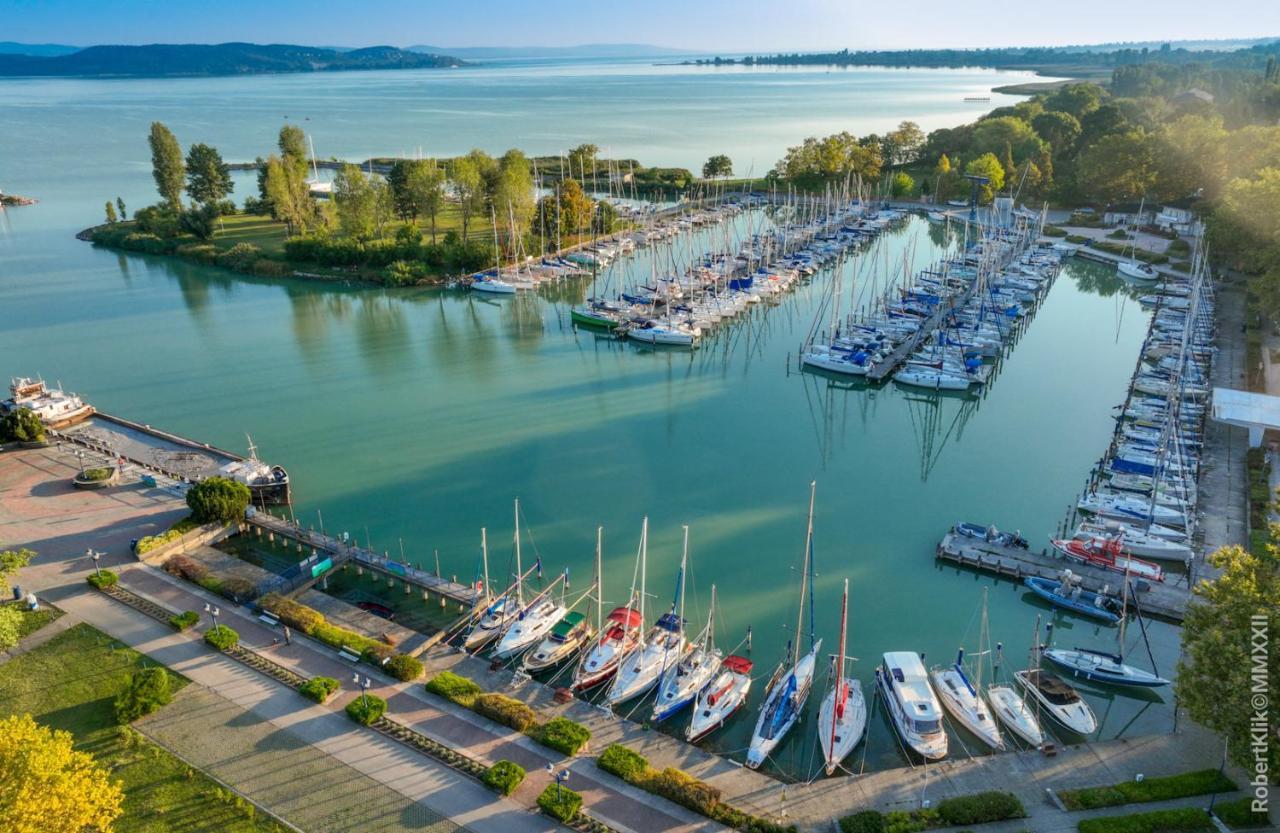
(560, 778)
(364, 688)
(96, 556)
(213, 611)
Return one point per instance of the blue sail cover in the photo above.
(782, 709)
(669, 622)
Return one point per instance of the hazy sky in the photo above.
(720, 25)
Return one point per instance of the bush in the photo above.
(454, 687)
(559, 803)
(503, 777)
(1077, 239)
(620, 761)
(404, 667)
(159, 220)
(404, 273)
(683, 789)
(148, 690)
(336, 637)
(1159, 821)
(1199, 782)
(366, 708)
(318, 688)
(99, 473)
(1054, 231)
(373, 652)
(1179, 247)
(240, 257)
(505, 710)
(222, 637)
(218, 500)
(22, 426)
(294, 614)
(562, 735)
(104, 579)
(237, 589)
(199, 252)
(868, 821)
(211, 583)
(980, 808)
(1239, 813)
(184, 621)
(151, 542)
(182, 566)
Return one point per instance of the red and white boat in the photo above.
(1109, 554)
(721, 698)
(619, 634)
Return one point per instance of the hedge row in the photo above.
(1200, 782)
(235, 588)
(1239, 813)
(561, 734)
(1184, 820)
(173, 533)
(312, 622)
(681, 788)
(964, 810)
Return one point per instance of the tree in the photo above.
(1076, 99)
(47, 786)
(989, 166)
(514, 195)
(1221, 662)
(944, 179)
(468, 184)
(293, 146)
(902, 185)
(218, 500)
(124, 215)
(902, 146)
(425, 184)
(1191, 157)
(398, 183)
(582, 161)
(111, 213)
(21, 425)
(575, 207)
(288, 194)
(1118, 168)
(362, 203)
(717, 166)
(200, 221)
(1059, 129)
(1006, 135)
(11, 561)
(208, 177)
(829, 161)
(166, 164)
(1102, 121)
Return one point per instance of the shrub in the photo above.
(150, 542)
(505, 710)
(240, 257)
(211, 583)
(1199, 782)
(404, 667)
(184, 621)
(294, 614)
(1239, 813)
(620, 761)
(218, 500)
(683, 789)
(454, 687)
(104, 579)
(183, 566)
(1077, 239)
(146, 243)
(159, 220)
(1054, 231)
(563, 735)
(1179, 247)
(199, 252)
(404, 273)
(373, 652)
(237, 589)
(868, 821)
(336, 637)
(148, 690)
(366, 708)
(559, 803)
(980, 808)
(268, 268)
(1158, 821)
(222, 637)
(318, 688)
(503, 777)
(21, 425)
(98, 473)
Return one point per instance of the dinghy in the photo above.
(1069, 595)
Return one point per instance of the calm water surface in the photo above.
(418, 415)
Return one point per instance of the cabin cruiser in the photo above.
(912, 705)
(55, 407)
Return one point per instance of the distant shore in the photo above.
(16, 200)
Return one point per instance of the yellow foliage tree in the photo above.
(46, 786)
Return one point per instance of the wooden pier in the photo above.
(1167, 599)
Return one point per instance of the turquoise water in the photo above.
(420, 414)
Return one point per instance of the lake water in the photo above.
(417, 415)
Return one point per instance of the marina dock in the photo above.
(1167, 599)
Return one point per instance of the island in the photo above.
(163, 60)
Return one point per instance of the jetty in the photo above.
(1167, 599)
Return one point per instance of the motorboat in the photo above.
(1109, 554)
(991, 535)
(1069, 595)
(911, 704)
(55, 407)
(1058, 699)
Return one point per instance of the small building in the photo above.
(1128, 214)
(1195, 95)
(1179, 219)
(1255, 411)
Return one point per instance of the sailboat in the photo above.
(496, 610)
(963, 697)
(662, 646)
(616, 636)
(1055, 696)
(1104, 667)
(842, 718)
(1131, 267)
(723, 696)
(571, 633)
(1011, 709)
(532, 621)
(683, 680)
(788, 692)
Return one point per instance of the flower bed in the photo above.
(184, 621)
(503, 777)
(559, 733)
(222, 637)
(964, 810)
(318, 688)
(366, 708)
(103, 579)
(559, 803)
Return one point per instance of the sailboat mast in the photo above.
(484, 561)
(599, 582)
(684, 560)
(644, 568)
(519, 566)
(804, 579)
(841, 691)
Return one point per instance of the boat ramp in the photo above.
(1167, 599)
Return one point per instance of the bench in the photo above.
(269, 619)
(349, 653)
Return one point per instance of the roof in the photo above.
(566, 625)
(1241, 407)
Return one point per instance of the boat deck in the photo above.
(1166, 600)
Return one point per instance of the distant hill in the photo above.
(9, 47)
(1221, 45)
(165, 60)
(586, 50)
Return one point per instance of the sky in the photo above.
(727, 26)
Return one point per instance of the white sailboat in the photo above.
(661, 647)
(497, 611)
(788, 692)
(532, 621)
(616, 636)
(723, 696)
(963, 698)
(842, 718)
(1011, 709)
(682, 681)
(1105, 667)
(571, 633)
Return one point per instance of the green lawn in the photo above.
(71, 683)
(33, 620)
